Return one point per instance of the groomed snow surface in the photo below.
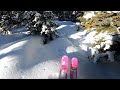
(25, 57)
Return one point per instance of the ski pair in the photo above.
(65, 67)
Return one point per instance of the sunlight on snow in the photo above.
(62, 26)
(71, 49)
(7, 58)
(12, 47)
(77, 35)
(83, 47)
(89, 38)
(89, 15)
(74, 36)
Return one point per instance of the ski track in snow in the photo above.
(28, 58)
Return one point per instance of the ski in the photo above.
(64, 67)
(73, 68)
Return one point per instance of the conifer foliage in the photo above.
(107, 37)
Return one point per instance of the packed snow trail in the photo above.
(28, 58)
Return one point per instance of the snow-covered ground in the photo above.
(25, 57)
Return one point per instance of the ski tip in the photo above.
(74, 62)
(74, 58)
(65, 57)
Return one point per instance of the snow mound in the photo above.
(89, 15)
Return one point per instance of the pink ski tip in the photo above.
(64, 63)
(65, 57)
(74, 62)
(64, 60)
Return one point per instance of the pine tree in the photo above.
(108, 22)
(103, 21)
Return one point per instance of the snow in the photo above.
(110, 56)
(97, 56)
(89, 15)
(25, 57)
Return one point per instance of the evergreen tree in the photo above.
(108, 22)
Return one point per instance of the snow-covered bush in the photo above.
(68, 15)
(10, 20)
(109, 48)
(42, 24)
(104, 48)
(106, 40)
